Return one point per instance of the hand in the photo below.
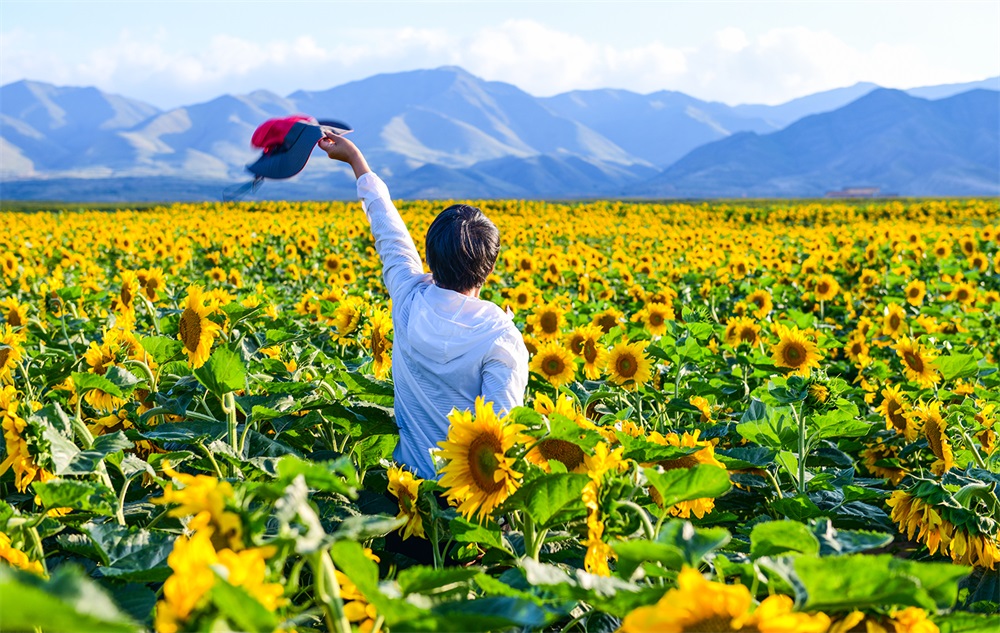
(339, 148)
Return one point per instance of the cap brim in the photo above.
(337, 127)
(292, 157)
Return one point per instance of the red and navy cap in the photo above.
(287, 143)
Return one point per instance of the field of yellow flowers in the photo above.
(741, 417)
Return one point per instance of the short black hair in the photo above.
(462, 247)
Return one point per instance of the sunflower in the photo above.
(477, 474)
(761, 299)
(346, 317)
(152, 282)
(125, 301)
(895, 410)
(826, 288)
(195, 329)
(593, 353)
(11, 352)
(654, 317)
(857, 349)
(697, 604)
(14, 314)
(377, 332)
(908, 620)
(702, 405)
(19, 456)
(933, 427)
(547, 321)
(917, 515)
(915, 291)
(795, 351)
(522, 296)
(405, 487)
(17, 558)
(740, 331)
(875, 457)
(563, 451)
(608, 319)
(628, 365)
(918, 363)
(964, 293)
(894, 320)
(555, 363)
(704, 455)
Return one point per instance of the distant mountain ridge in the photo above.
(444, 133)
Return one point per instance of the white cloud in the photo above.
(730, 65)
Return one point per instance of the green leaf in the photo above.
(957, 366)
(548, 497)
(634, 552)
(366, 526)
(86, 496)
(773, 427)
(86, 462)
(336, 476)
(797, 508)
(68, 601)
(241, 608)
(644, 451)
(122, 378)
(371, 450)
(840, 422)
(185, 432)
(427, 580)
(685, 484)
(224, 372)
(130, 553)
(837, 542)
(860, 581)
(161, 348)
(84, 382)
(779, 537)
(465, 531)
(964, 622)
(693, 542)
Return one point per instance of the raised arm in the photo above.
(401, 265)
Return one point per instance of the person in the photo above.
(449, 346)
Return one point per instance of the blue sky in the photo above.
(180, 52)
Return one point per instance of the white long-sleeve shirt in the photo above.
(448, 348)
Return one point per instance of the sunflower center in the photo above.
(522, 299)
(914, 361)
(894, 412)
(914, 293)
(190, 329)
(606, 322)
(758, 301)
(590, 351)
(4, 355)
(549, 322)
(688, 461)
(962, 294)
(656, 319)
(795, 354)
(553, 365)
(626, 366)
(563, 451)
(932, 430)
(576, 344)
(14, 318)
(893, 321)
(713, 624)
(823, 288)
(748, 335)
(483, 462)
(126, 295)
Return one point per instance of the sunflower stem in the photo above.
(647, 525)
(800, 421)
(972, 448)
(69, 344)
(146, 370)
(152, 316)
(328, 593)
(211, 459)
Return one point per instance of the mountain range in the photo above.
(445, 133)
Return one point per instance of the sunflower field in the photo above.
(773, 417)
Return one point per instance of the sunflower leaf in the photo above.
(780, 537)
(685, 484)
(224, 372)
(549, 497)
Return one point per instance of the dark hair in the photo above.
(462, 247)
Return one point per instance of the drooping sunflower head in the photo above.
(895, 410)
(628, 364)
(795, 351)
(478, 473)
(555, 363)
(405, 487)
(933, 427)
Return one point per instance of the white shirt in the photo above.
(448, 348)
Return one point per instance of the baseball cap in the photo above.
(287, 143)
